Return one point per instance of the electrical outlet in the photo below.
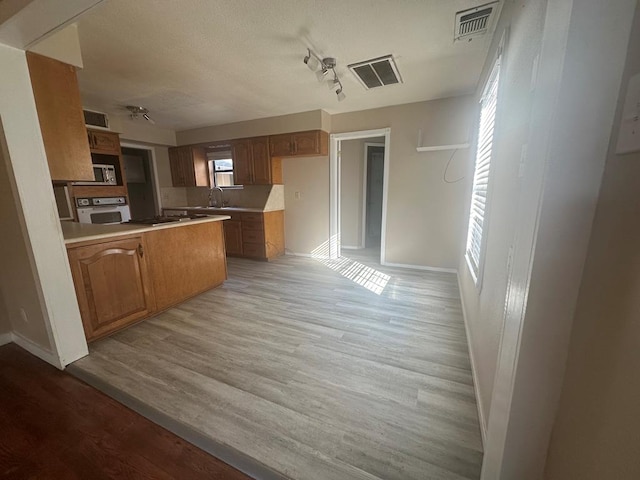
(23, 316)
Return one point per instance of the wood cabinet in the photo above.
(299, 144)
(57, 98)
(233, 236)
(252, 164)
(258, 235)
(112, 284)
(124, 279)
(189, 167)
(104, 142)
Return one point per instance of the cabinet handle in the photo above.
(140, 250)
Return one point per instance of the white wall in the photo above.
(484, 309)
(595, 435)
(567, 118)
(54, 328)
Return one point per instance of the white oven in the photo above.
(104, 210)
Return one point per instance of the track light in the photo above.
(311, 61)
(325, 65)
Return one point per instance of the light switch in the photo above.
(297, 195)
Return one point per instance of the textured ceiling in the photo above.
(195, 63)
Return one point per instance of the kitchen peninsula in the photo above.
(124, 273)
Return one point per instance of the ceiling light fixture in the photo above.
(135, 111)
(322, 67)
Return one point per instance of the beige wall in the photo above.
(352, 168)
(307, 217)
(63, 45)
(351, 172)
(596, 430)
(313, 120)
(424, 213)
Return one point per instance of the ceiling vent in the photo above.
(475, 21)
(377, 72)
(95, 119)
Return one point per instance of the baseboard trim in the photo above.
(349, 247)
(308, 255)
(474, 372)
(5, 338)
(420, 267)
(37, 350)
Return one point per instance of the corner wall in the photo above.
(595, 435)
(39, 278)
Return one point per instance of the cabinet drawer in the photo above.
(252, 226)
(253, 236)
(252, 217)
(255, 250)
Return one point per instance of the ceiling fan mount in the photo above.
(136, 110)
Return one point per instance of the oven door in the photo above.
(110, 215)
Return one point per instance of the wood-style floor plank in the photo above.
(52, 426)
(314, 368)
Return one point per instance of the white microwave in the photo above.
(104, 175)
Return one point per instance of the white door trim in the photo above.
(363, 236)
(155, 184)
(334, 187)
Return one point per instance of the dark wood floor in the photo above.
(56, 427)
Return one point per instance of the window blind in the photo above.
(478, 208)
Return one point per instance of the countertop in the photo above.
(74, 232)
(218, 209)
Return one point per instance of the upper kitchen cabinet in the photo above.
(300, 144)
(57, 98)
(104, 142)
(252, 164)
(189, 167)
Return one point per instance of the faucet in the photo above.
(212, 197)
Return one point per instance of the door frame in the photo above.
(155, 184)
(334, 186)
(363, 236)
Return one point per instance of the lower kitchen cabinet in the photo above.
(258, 235)
(233, 236)
(185, 261)
(123, 279)
(112, 284)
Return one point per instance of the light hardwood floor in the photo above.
(315, 369)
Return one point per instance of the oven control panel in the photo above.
(100, 201)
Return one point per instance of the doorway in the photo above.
(370, 189)
(372, 195)
(141, 184)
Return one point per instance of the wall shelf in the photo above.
(437, 148)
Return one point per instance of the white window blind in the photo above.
(478, 209)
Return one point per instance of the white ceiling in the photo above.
(195, 63)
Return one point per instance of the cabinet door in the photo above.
(176, 163)
(242, 171)
(185, 261)
(261, 161)
(57, 98)
(233, 237)
(306, 143)
(105, 142)
(112, 286)
(200, 167)
(281, 145)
